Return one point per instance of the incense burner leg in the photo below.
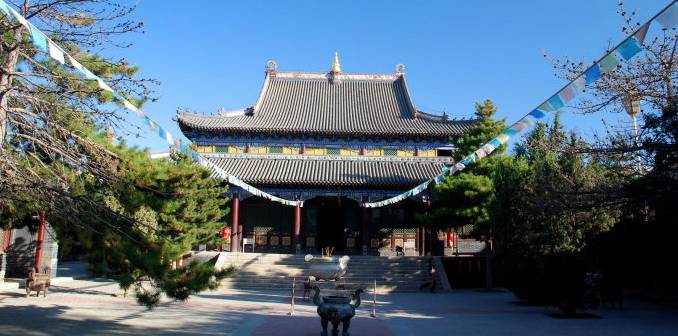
(323, 323)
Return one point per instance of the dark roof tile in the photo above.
(328, 171)
(311, 103)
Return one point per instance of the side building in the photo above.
(333, 140)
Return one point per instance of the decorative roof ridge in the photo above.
(408, 96)
(443, 118)
(182, 113)
(415, 159)
(328, 75)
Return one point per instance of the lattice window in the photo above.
(333, 151)
(275, 149)
(390, 152)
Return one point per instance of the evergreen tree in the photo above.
(462, 199)
(550, 203)
(155, 213)
(486, 129)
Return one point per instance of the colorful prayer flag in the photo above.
(519, 125)
(566, 94)
(495, 143)
(104, 86)
(529, 122)
(537, 114)
(39, 39)
(480, 153)
(150, 123)
(546, 106)
(592, 74)
(579, 84)
(76, 64)
(488, 148)
(642, 32)
(55, 52)
(510, 131)
(669, 17)
(89, 74)
(628, 48)
(503, 138)
(609, 62)
(556, 102)
(133, 108)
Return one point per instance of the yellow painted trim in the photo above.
(427, 153)
(236, 149)
(374, 152)
(348, 152)
(316, 151)
(405, 152)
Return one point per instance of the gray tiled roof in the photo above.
(313, 103)
(328, 170)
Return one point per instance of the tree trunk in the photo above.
(6, 77)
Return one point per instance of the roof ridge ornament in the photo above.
(271, 66)
(336, 67)
(400, 68)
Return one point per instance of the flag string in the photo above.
(625, 50)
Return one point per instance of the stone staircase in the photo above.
(277, 271)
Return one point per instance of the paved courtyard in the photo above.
(88, 307)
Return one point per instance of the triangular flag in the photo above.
(669, 17)
(39, 39)
(103, 85)
(55, 52)
(640, 34)
(133, 108)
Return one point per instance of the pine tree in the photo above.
(463, 199)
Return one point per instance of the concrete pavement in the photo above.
(87, 307)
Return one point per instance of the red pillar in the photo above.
(235, 232)
(41, 241)
(7, 237)
(366, 228)
(297, 227)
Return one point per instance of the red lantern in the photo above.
(450, 238)
(226, 232)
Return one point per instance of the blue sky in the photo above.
(211, 54)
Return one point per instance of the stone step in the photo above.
(278, 271)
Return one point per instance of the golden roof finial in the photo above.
(336, 67)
